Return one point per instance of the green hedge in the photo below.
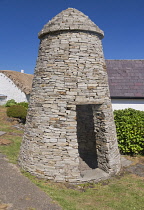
(10, 103)
(17, 111)
(24, 104)
(130, 131)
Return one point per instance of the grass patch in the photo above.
(10, 142)
(119, 193)
(11, 150)
(126, 192)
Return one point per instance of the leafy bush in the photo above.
(24, 104)
(130, 131)
(10, 103)
(17, 111)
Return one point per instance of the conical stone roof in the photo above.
(70, 19)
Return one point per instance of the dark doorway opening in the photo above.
(86, 137)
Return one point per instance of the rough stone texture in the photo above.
(70, 130)
(2, 133)
(137, 169)
(70, 19)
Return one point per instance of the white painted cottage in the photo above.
(14, 85)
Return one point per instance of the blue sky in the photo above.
(20, 21)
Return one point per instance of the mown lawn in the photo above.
(124, 192)
(120, 193)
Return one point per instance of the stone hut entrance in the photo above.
(70, 132)
(86, 137)
(91, 139)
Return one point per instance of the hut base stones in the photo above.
(70, 132)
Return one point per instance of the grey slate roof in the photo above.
(126, 78)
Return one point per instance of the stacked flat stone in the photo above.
(70, 127)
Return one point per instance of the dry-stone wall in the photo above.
(70, 133)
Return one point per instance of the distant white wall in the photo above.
(9, 89)
(137, 104)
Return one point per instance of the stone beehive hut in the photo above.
(70, 133)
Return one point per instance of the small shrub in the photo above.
(24, 104)
(17, 111)
(10, 103)
(130, 131)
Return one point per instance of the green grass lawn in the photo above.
(119, 193)
(10, 142)
(124, 192)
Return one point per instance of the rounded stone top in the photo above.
(70, 19)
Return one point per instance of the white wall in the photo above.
(128, 103)
(9, 89)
